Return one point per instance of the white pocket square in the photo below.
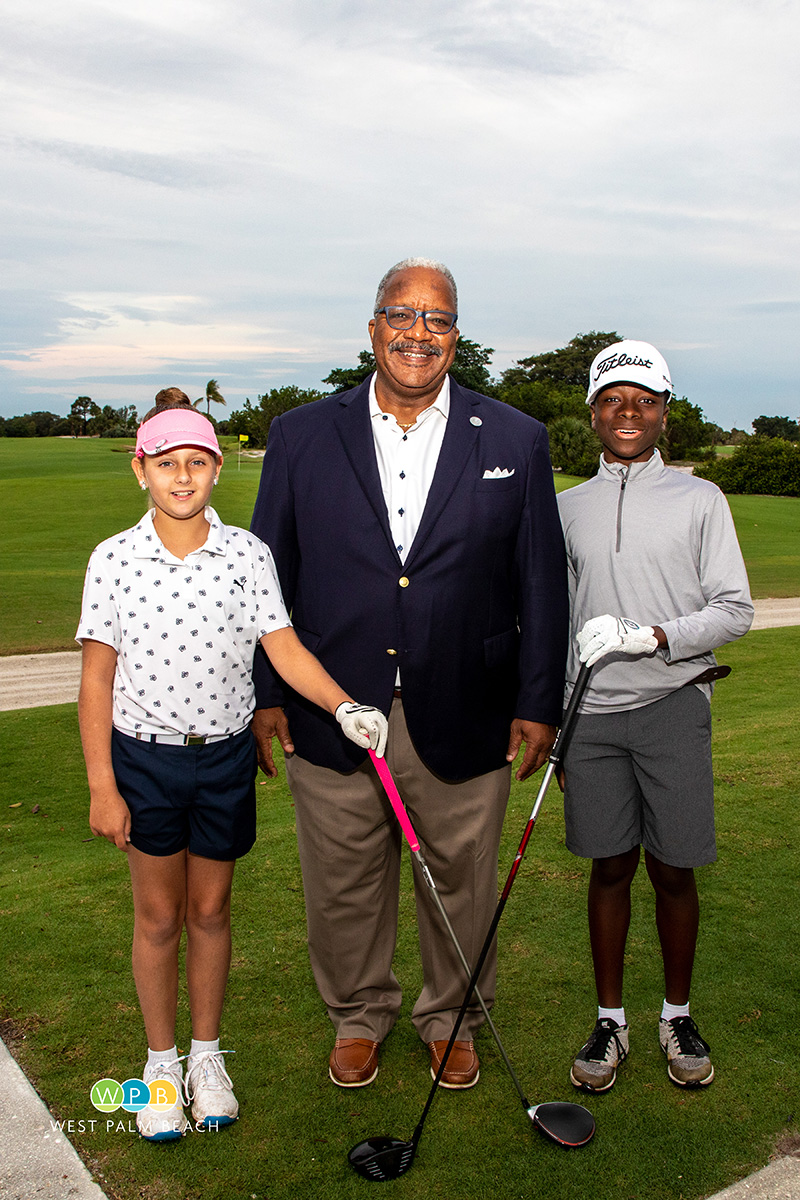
(498, 473)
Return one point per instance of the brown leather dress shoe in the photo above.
(462, 1068)
(353, 1062)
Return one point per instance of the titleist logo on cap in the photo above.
(628, 362)
(621, 360)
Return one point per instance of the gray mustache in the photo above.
(417, 348)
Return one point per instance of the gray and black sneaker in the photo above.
(595, 1066)
(688, 1061)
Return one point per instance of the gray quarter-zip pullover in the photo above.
(659, 546)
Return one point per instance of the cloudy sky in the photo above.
(212, 188)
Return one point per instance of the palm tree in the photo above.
(212, 393)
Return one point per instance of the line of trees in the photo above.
(85, 419)
(550, 386)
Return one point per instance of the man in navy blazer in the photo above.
(415, 531)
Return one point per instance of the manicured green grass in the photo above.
(564, 482)
(63, 496)
(65, 984)
(769, 534)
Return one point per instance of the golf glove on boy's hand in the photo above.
(362, 723)
(601, 635)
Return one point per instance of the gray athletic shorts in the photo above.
(643, 777)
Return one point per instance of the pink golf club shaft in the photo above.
(396, 802)
(390, 788)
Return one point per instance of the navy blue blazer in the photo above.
(477, 616)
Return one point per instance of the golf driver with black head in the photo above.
(568, 1125)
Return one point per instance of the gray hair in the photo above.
(406, 264)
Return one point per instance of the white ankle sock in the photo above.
(612, 1014)
(159, 1056)
(669, 1011)
(200, 1047)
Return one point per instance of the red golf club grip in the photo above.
(394, 798)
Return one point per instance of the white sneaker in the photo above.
(208, 1088)
(595, 1065)
(688, 1056)
(163, 1126)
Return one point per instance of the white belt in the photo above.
(183, 739)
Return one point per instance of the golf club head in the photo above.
(568, 1125)
(382, 1158)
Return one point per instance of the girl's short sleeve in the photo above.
(272, 612)
(99, 611)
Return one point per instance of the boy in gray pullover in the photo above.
(645, 540)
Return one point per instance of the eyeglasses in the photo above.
(434, 320)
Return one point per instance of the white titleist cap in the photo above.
(638, 363)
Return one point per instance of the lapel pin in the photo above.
(476, 421)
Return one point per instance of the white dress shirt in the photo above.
(407, 461)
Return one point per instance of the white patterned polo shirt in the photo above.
(185, 630)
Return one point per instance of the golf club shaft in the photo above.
(408, 829)
(553, 761)
(423, 866)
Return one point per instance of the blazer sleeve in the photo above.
(273, 522)
(543, 602)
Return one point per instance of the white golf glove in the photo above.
(363, 724)
(601, 635)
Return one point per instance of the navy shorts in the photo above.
(201, 798)
(643, 778)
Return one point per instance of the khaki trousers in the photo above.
(350, 843)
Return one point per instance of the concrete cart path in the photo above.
(35, 680)
(35, 1160)
(779, 1180)
(771, 614)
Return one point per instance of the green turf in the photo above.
(65, 983)
(63, 496)
(769, 534)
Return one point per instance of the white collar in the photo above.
(441, 404)
(615, 470)
(145, 542)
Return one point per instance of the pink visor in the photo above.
(175, 427)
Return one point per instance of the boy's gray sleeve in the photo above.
(728, 613)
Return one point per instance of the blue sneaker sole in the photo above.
(168, 1135)
(211, 1121)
